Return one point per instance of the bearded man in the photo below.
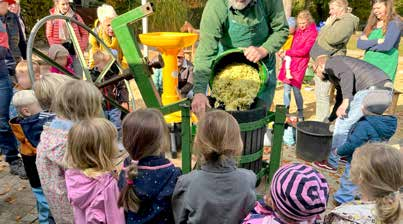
(257, 26)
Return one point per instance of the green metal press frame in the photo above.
(140, 71)
(122, 27)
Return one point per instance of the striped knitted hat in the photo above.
(299, 192)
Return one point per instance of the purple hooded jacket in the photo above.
(94, 200)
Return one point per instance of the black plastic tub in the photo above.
(314, 141)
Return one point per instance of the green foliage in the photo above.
(169, 15)
(34, 10)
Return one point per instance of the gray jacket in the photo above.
(218, 193)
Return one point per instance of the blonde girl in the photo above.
(219, 192)
(92, 187)
(76, 100)
(377, 170)
(46, 87)
(149, 180)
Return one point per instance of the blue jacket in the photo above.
(368, 129)
(154, 186)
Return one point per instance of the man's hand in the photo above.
(341, 111)
(199, 104)
(281, 54)
(255, 54)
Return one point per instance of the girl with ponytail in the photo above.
(148, 179)
(377, 170)
(219, 192)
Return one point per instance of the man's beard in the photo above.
(239, 5)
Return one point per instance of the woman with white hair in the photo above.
(103, 29)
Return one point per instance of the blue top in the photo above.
(32, 126)
(368, 129)
(392, 39)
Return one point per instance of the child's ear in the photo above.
(268, 201)
(25, 112)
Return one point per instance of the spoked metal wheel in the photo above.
(123, 74)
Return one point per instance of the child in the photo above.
(292, 71)
(150, 179)
(22, 75)
(92, 187)
(377, 170)
(23, 80)
(219, 192)
(372, 127)
(117, 91)
(75, 100)
(27, 128)
(298, 194)
(61, 56)
(46, 86)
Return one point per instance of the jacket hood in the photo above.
(354, 19)
(384, 125)
(163, 173)
(83, 190)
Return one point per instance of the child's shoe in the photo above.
(324, 165)
(343, 160)
(17, 168)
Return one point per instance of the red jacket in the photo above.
(299, 53)
(52, 31)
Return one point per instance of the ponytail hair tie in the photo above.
(129, 182)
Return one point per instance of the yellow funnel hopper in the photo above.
(169, 44)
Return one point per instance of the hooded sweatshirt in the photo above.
(94, 200)
(374, 128)
(333, 37)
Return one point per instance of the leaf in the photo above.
(11, 199)
(8, 189)
(18, 218)
(22, 188)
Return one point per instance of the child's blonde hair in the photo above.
(145, 133)
(22, 68)
(305, 14)
(77, 100)
(46, 87)
(91, 144)
(218, 136)
(377, 169)
(100, 55)
(24, 98)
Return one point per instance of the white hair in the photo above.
(238, 5)
(24, 98)
(105, 12)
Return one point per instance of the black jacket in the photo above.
(353, 75)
